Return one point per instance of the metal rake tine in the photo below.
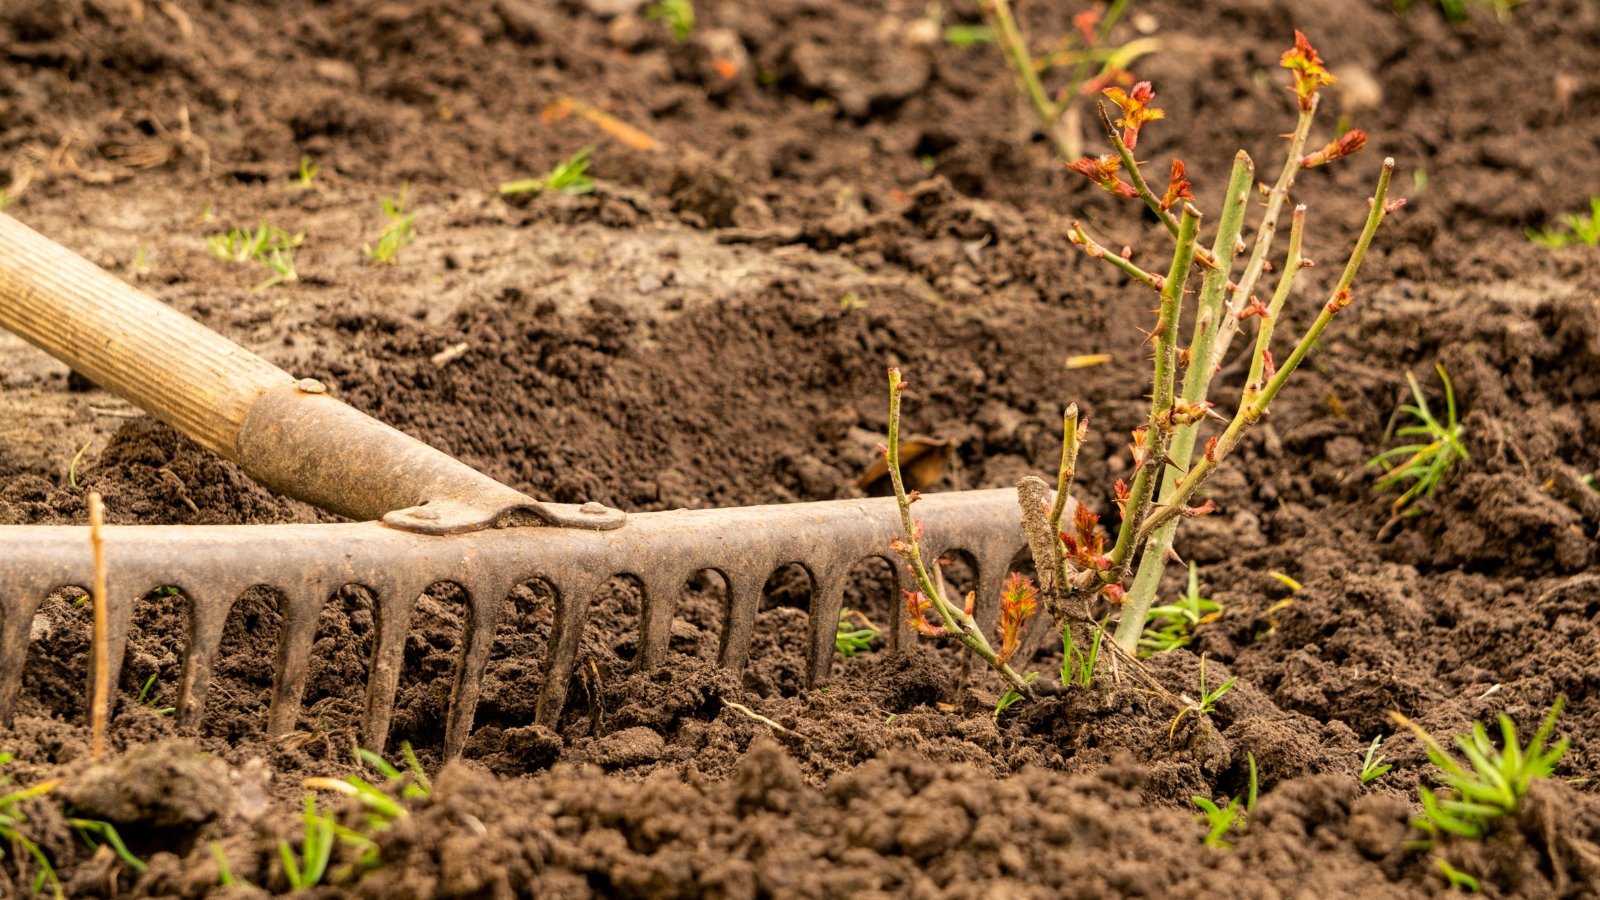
(827, 601)
(394, 599)
(574, 594)
(486, 598)
(209, 604)
(300, 604)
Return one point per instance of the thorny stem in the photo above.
(1166, 361)
(1265, 234)
(1204, 362)
(1196, 383)
(955, 619)
(1077, 235)
(101, 688)
(1256, 399)
(1015, 47)
(1142, 187)
(1291, 267)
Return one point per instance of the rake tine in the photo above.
(19, 603)
(486, 597)
(655, 616)
(827, 600)
(394, 600)
(739, 617)
(574, 594)
(300, 604)
(209, 605)
(122, 587)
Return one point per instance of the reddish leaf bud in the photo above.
(1352, 141)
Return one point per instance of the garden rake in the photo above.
(420, 517)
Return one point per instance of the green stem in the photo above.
(1077, 235)
(1256, 401)
(1142, 187)
(1166, 360)
(1291, 267)
(955, 619)
(1265, 233)
(1196, 384)
(1015, 48)
(1107, 22)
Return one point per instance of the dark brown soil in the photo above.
(709, 327)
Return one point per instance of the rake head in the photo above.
(211, 566)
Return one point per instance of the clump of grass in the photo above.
(1077, 666)
(855, 633)
(1492, 781)
(306, 869)
(570, 176)
(1172, 626)
(677, 14)
(382, 810)
(1484, 789)
(1423, 464)
(397, 234)
(1575, 229)
(15, 837)
(1222, 819)
(307, 173)
(1373, 765)
(268, 245)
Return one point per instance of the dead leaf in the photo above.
(923, 462)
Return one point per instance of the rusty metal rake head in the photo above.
(212, 566)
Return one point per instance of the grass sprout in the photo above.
(677, 14)
(966, 35)
(308, 172)
(570, 176)
(268, 245)
(1233, 815)
(1207, 704)
(1172, 626)
(1456, 10)
(224, 872)
(1011, 697)
(316, 848)
(14, 834)
(1077, 666)
(95, 832)
(1493, 779)
(855, 633)
(1422, 464)
(1576, 229)
(1458, 879)
(1373, 765)
(149, 698)
(401, 230)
